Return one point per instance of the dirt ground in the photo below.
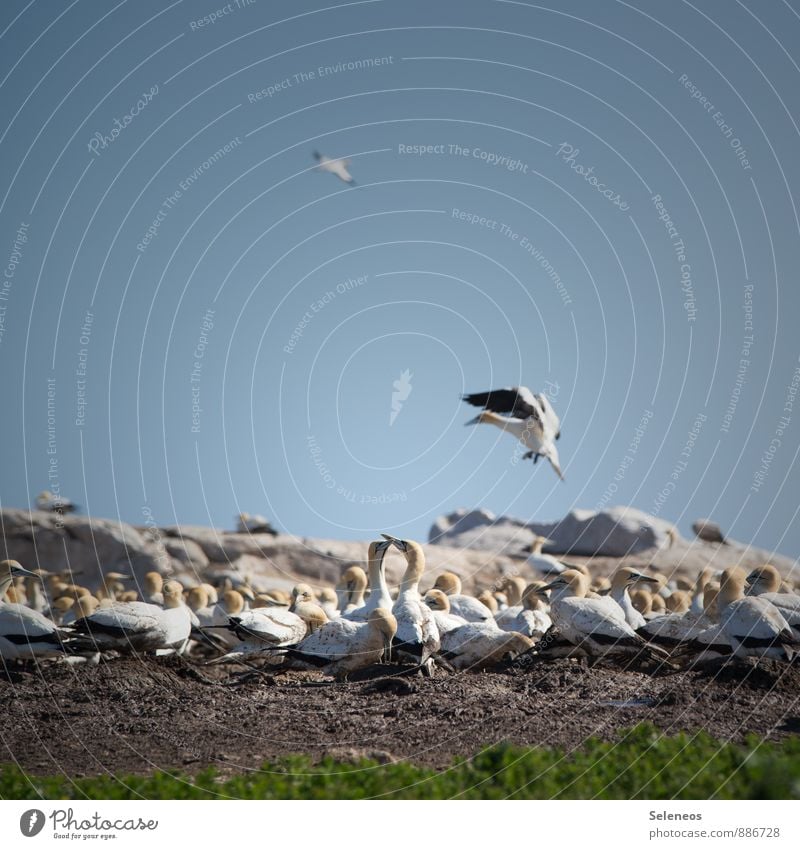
(140, 714)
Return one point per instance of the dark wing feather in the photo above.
(505, 401)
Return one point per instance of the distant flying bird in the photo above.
(334, 166)
(533, 420)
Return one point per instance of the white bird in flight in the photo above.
(532, 420)
(335, 166)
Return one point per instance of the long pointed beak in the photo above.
(637, 576)
(557, 470)
(387, 650)
(398, 543)
(476, 420)
(21, 570)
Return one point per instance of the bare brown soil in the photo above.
(136, 715)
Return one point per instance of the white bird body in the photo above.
(546, 564)
(447, 622)
(267, 626)
(342, 646)
(26, 634)
(595, 625)
(674, 628)
(379, 596)
(754, 626)
(479, 644)
(338, 167)
(417, 636)
(137, 626)
(417, 633)
(469, 608)
(530, 623)
(460, 604)
(532, 419)
(765, 582)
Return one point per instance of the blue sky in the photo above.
(591, 198)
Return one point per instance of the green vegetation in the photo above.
(641, 763)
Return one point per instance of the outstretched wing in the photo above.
(517, 400)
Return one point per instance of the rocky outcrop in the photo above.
(601, 538)
(615, 532)
(90, 547)
(477, 546)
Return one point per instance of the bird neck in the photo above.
(377, 581)
(5, 583)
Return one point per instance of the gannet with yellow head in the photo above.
(139, 626)
(595, 625)
(417, 636)
(24, 633)
(462, 605)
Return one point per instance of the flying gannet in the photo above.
(532, 420)
(335, 166)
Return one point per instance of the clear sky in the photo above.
(596, 199)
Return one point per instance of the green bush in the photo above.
(641, 763)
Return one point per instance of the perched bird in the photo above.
(329, 602)
(417, 637)
(621, 580)
(379, 596)
(335, 166)
(51, 503)
(532, 420)
(533, 619)
(446, 620)
(254, 524)
(765, 582)
(350, 590)
(596, 626)
(544, 563)
(152, 592)
(708, 531)
(343, 646)
(469, 608)
(138, 626)
(754, 626)
(24, 633)
(478, 645)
